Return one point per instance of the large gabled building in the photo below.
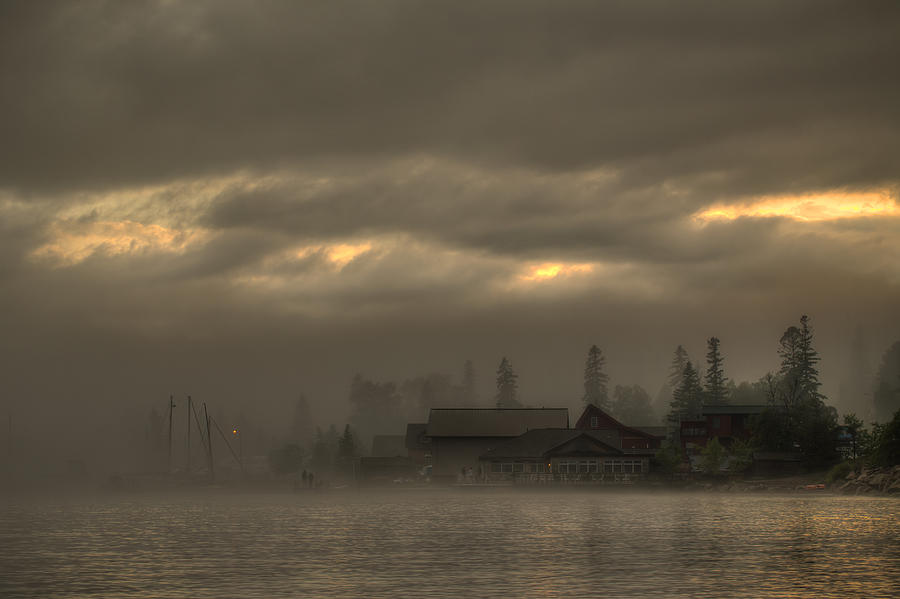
(599, 448)
(459, 436)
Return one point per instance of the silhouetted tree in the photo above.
(347, 444)
(631, 405)
(859, 437)
(747, 393)
(376, 407)
(676, 369)
(507, 387)
(798, 420)
(687, 400)
(712, 456)
(886, 443)
(886, 394)
(595, 379)
(322, 455)
(715, 388)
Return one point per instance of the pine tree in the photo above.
(676, 369)
(809, 357)
(799, 375)
(347, 443)
(716, 385)
(631, 405)
(595, 380)
(687, 399)
(507, 387)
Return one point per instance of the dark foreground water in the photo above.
(451, 544)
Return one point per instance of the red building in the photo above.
(614, 433)
(727, 423)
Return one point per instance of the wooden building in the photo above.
(599, 448)
(727, 423)
(459, 436)
(620, 435)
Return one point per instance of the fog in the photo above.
(250, 202)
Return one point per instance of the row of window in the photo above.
(597, 466)
(571, 467)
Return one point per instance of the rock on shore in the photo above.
(872, 480)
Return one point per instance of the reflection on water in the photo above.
(451, 544)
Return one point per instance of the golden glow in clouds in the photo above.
(72, 243)
(808, 208)
(553, 270)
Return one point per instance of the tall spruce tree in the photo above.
(676, 369)
(687, 400)
(803, 421)
(716, 385)
(595, 380)
(507, 386)
(799, 375)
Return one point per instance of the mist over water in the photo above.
(449, 543)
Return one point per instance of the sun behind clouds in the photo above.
(809, 207)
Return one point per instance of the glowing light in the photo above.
(72, 243)
(339, 254)
(344, 253)
(552, 270)
(808, 208)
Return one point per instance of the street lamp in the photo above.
(237, 433)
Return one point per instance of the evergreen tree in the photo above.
(676, 369)
(716, 385)
(631, 405)
(886, 394)
(376, 407)
(507, 387)
(802, 422)
(798, 373)
(347, 443)
(595, 379)
(687, 400)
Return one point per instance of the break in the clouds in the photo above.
(456, 173)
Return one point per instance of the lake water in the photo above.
(453, 543)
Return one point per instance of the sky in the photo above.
(246, 201)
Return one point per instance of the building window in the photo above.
(717, 422)
(595, 422)
(495, 466)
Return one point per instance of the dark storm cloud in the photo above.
(249, 200)
(111, 93)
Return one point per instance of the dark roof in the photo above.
(538, 442)
(493, 422)
(415, 436)
(734, 409)
(388, 446)
(656, 431)
(640, 431)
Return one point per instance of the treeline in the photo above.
(797, 419)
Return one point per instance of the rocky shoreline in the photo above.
(875, 481)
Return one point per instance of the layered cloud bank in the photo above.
(418, 184)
